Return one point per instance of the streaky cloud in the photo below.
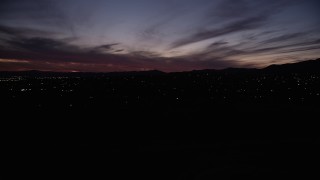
(285, 37)
(238, 26)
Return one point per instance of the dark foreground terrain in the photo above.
(230, 124)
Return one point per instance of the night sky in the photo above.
(167, 35)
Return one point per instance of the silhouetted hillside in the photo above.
(165, 125)
(35, 73)
(300, 67)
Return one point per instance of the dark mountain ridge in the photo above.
(299, 67)
(303, 66)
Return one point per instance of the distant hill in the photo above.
(310, 66)
(300, 67)
(35, 73)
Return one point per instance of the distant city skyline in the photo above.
(166, 35)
